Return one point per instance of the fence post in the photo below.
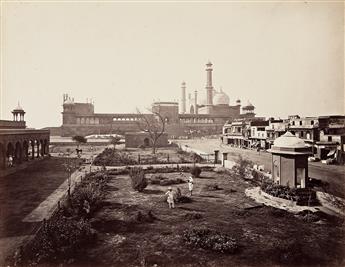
(139, 158)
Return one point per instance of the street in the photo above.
(333, 174)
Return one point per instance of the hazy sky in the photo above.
(286, 58)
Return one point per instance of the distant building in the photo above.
(306, 128)
(201, 117)
(142, 139)
(238, 132)
(19, 144)
(331, 137)
(275, 129)
(258, 134)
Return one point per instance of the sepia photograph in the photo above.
(171, 133)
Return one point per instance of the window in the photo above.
(300, 122)
(302, 134)
(329, 138)
(312, 122)
(293, 122)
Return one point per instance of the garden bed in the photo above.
(140, 224)
(112, 157)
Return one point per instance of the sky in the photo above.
(285, 58)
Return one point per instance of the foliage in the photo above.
(179, 198)
(110, 157)
(212, 187)
(210, 240)
(308, 216)
(193, 216)
(279, 190)
(196, 158)
(154, 125)
(161, 180)
(60, 238)
(79, 139)
(143, 218)
(196, 171)
(139, 181)
(90, 193)
(243, 167)
(115, 140)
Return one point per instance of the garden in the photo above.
(129, 224)
(119, 157)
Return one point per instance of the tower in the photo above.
(209, 86)
(196, 102)
(183, 98)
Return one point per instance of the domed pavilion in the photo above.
(290, 161)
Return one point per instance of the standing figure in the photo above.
(170, 198)
(10, 161)
(190, 185)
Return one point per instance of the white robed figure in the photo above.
(170, 198)
(190, 184)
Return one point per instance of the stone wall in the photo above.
(136, 139)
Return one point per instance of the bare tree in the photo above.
(115, 140)
(154, 125)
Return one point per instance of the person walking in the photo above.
(170, 198)
(190, 185)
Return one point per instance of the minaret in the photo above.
(183, 98)
(196, 102)
(209, 87)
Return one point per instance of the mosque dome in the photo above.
(221, 98)
(288, 140)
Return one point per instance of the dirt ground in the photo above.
(266, 236)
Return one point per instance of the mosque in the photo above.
(195, 117)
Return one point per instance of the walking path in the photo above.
(47, 207)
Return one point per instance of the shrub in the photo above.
(181, 198)
(193, 216)
(142, 217)
(163, 181)
(211, 240)
(196, 171)
(279, 190)
(243, 167)
(212, 187)
(139, 182)
(308, 216)
(110, 157)
(90, 193)
(59, 238)
(197, 158)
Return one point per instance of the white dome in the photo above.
(221, 98)
(288, 140)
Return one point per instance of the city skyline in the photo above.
(286, 58)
